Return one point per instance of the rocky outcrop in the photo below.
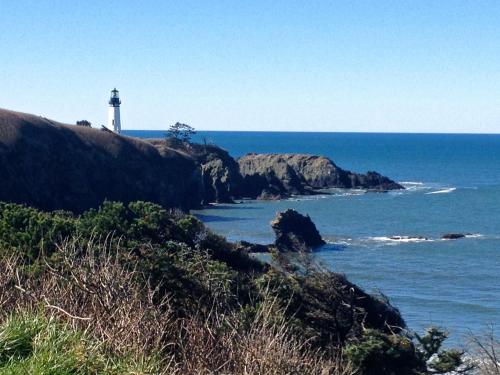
(275, 176)
(56, 166)
(453, 236)
(295, 232)
(53, 166)
(220, 174)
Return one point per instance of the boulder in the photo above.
(295, 232)
(452, 236)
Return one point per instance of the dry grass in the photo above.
(12, 123)
(486, 351)
(92, 291)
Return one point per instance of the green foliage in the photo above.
(16, 338)
(111, 217)
(33, 344)
(149, 221)
(192, 228)
(430, 343)
(440, 361)
(378, 353)
(85, 123)
(181, 132)
(447, 361)
(27, 231)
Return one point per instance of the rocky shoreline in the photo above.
(271, 176)
(50, 165)
(276, 176)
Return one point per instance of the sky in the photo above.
(372, 66)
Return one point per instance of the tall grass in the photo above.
(94, 314)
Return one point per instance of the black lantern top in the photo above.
(114, 100)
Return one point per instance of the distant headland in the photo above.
(50, 165)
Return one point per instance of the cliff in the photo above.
(53, 166)
(275, 176)
(220, 175)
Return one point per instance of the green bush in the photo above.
(29, 232)
(378, 353)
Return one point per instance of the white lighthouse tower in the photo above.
(114, 122)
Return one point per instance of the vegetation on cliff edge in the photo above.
(139, 289)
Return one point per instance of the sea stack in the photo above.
(295, 232)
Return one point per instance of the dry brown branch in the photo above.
(485, 350)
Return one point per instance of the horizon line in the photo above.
(319, 131)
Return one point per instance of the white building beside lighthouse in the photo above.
(114, 122)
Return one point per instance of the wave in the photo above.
(392, 240)
(426, 187)
(300, 198)
(474, 235)
(414, 186)
(443, 191)
(346, 242)
(411, 183)
(400, 239)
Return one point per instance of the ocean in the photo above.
(453, 185)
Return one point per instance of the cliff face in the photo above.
(220, 175)
(268, 176)
(53, 166)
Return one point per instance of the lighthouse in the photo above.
(114, 122)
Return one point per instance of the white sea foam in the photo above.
(390, 240)
(411, 183)
(443, 191)
(400, 239)
(336, 192)
(474, 235)
(300, 198)
(350, 193)
(339, 243)
(412, 186)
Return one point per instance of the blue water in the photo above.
(453, 185)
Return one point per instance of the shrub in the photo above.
(378, 353)
(28, 232)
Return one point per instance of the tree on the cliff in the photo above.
(181, 132)
(85, 123)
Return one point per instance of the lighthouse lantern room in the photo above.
(114, 122)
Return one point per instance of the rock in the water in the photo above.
(452, 236)
(252, 247)
(281, 175)
(295, 232)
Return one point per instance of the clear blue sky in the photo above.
(405, 66)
